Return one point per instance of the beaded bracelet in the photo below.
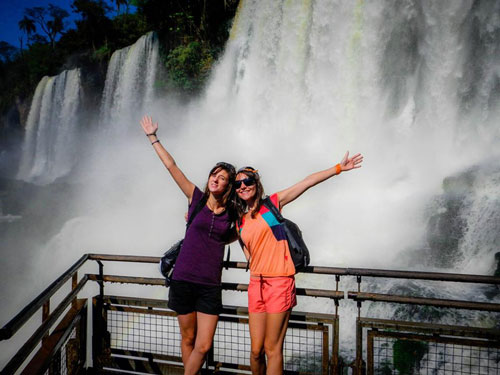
(152, 143)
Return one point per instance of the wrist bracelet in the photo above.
(152, 143)
(147, 135)
(338, 169)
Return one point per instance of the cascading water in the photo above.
(412, 84)
(130, 81)
(390, 79)
(50, 152)
(49, 149)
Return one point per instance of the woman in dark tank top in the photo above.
(195, 290)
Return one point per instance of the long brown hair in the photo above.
(241, 205)
(228, 197)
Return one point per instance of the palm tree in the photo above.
(27, 26)
(119, 3)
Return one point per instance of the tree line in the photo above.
(192, 34)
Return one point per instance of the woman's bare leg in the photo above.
(206, 325)
(257, 325)
(276, 326)
(187, 326)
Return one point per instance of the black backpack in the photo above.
(167, 261)
(298, 249)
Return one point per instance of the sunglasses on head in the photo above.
(226, 166)
(249, 181)
(248, 169)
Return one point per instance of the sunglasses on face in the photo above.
(249, 181)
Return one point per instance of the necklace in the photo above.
(215, 209)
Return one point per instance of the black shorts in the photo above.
(185, 297)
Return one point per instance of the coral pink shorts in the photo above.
(271, 294)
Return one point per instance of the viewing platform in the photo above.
(125, 334)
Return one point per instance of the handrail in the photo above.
(33, 341)
(436, 302)
(412, 275)
(324, 293)
(124, 258)
(60, 336)
(432, 328)
(366, 272)
(9, 329)
(24, 315)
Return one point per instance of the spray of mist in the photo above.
(410, 84)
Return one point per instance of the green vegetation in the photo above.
(407, 355)
(192, 34)
(385, 368)
(189, 66)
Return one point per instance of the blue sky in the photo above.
(11, 12)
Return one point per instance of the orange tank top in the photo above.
(265, 239)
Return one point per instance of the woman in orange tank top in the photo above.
(271, 291)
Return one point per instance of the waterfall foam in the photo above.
(315, 78)
(51, 140)
(412, 84)
(384, 78)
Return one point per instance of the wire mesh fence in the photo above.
(391, 352)
(153, 332)
(66, 360)
(232, 342)
(304, 349)
(143, 330)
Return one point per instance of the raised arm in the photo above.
(150, 129)
(293, 192)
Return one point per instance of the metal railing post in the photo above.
(100, 342)
(74, 283)
(334, 363)
(101, 279)
(45, 316)
(359, 363)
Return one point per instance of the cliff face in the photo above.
(11, 135)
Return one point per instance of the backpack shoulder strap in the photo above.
(228, 257)
(199, 206)
(271, 207)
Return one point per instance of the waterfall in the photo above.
(49, 149)
(412, 84)
(464, 230)
(130, 81)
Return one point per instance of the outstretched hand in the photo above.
(348, 163)
(148, 126)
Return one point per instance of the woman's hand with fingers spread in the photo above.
(148, 126)
(348, 163)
